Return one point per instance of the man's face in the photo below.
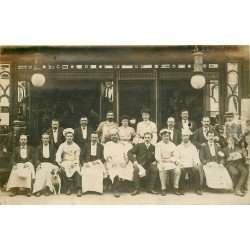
(45, 139)
(69, 137)
(229, 118)
(210, 137)
(230, 141)
(114, 137)
(16, 128)
(170, 123)
(84, 121)
(23, 140)
(147, 138)
(184, 115)
(125, 122)
(145, 116)
(165, 137)
(205, 122)
(110, 117)
(94, 138)
(185, 138)
(55, 125)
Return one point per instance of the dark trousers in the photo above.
(239, 175)
(195, 177)
(76, 178)
(151, 175)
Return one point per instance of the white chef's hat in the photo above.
(186, 132)
(113, 131)
(68, 130)
(163, 131)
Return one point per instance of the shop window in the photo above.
(212, 99)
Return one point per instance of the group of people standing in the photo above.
(83, 157)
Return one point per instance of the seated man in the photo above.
(44, 161)
(23, 170)
(67, 157)
(93, 170)
(188, 162)
(144, 154)
(117, 162)
(235, 166)
(167, 158)
(212, 159)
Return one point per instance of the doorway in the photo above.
(135, 95)
(67, 102)
(176, 95)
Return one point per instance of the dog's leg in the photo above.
(59, 186)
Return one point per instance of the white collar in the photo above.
(45, 146)
(184, 121)
(23, 147)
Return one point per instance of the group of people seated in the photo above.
(83, 158)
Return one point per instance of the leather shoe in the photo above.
(239, 193)
(181, 192)
(152, 191)
(135, 192)
(163, 192)
(47, 193)
(28, 194)
(117, 195)
(68, 191)
(38, 194)
(13, 193)
(79, 193)
(198, 191)
(175, 191)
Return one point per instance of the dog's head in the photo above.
(54, 173)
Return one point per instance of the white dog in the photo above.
(56, 181)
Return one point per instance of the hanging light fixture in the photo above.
(38, 80)
(198, 80)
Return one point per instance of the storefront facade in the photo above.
(94, 80)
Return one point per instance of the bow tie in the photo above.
(55, 130)
(23, 147)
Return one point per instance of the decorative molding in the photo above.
(126, 75)
(185, 75)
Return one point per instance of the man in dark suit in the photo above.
(12, 139)
(83, 133)
(175, 134)
(45, 156)
(23, 172)
(93, 170)
(200, 135)
(235, 166)
(144, 154)
(55, 134)
(185, 123)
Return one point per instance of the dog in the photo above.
(56, 181)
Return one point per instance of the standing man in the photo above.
(68, 158)
(167, 158)
(118, 164)
(144, 154)
(146, 126)
(188, 162)
(12, 139)
(200, 135)
(55, 134)
(83, 133)
(235, 166)
(45, 156)
(185, 123)
(23, 171)
(93, 170)
(175, 134)
(104, 127)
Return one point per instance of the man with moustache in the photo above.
(175, 134)
(55, 134)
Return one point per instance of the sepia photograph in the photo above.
(124, 125)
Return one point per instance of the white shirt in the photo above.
(46, 151)
(23, 152)
(93, 149)
(212, 148)
(171, 133)
(188, 154)
(205, 132)
(143, 127)
(55, 135)
(165, 152)
(68, 152)
(185, 124)
(84, 132)
(116, 151)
